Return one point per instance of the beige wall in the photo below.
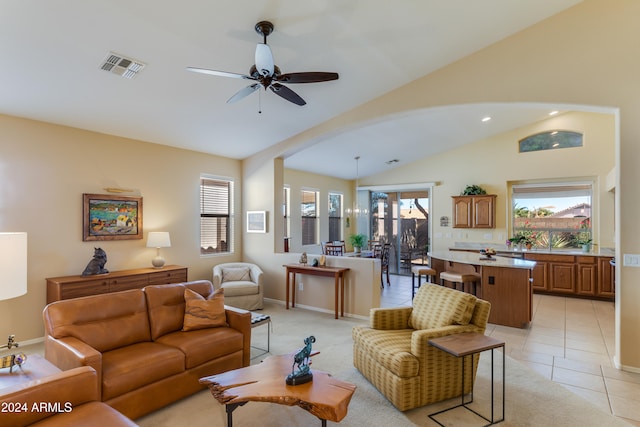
(45, 169)
(297, 181)
(585, 56)
(495, 162)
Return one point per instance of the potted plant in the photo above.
(473, 190)
(357, 241)
(584, 240)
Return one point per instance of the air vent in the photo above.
(121, 65)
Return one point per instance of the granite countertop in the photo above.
(477, 259)
(502, 248)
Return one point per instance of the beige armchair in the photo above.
(393, 351)
(242, 284)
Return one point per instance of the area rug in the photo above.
(531, 400)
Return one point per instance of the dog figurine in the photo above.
(96, 265)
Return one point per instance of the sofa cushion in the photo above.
(435, 306)
(390, 348)
(204, 345)
(129, 368)
(104, 322)
(235, 289)
(236, 274)
(166, 305)
(200, 312)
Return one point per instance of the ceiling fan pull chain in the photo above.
(259, 102)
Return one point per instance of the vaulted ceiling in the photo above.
(53, 52)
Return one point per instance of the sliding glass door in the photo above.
(402, 220)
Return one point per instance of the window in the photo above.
(553, 215)
(309, 209)
(216, 215)
(550, 140)
(335, 217)
(286, 212)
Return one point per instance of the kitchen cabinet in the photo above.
(573, 275)
(606, 285)
(474, 211)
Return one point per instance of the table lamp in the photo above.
(158, 239)
(13, 267)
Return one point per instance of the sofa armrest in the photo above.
(420, 346)
(240, 320)
(69, 352)
(389, 318)
(63, 391)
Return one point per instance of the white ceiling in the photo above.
(52, 51)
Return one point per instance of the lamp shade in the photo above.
(158, 239)
(13, 265)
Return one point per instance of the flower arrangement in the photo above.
(527, 236)
(584, 237)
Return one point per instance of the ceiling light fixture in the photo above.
(392, 161)
(486, 119)
(554, 112)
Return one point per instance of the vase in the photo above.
(528, 246)
(586, 247)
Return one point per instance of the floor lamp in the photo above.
(13, 267)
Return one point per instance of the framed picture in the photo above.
(256, 221)
(106, 217)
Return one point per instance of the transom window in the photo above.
(553, 215)
(550, 140)
(216, 215)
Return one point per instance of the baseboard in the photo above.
(320, 310)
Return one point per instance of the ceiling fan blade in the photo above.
(242, 93)
(220, 73)
(264, 59)
(308, 77)
(287, 94)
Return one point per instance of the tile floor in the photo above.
(570, 341)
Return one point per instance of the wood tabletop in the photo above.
(464, 344)
(325, 397)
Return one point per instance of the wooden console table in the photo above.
(59, 288)
(325, 397)
(336, 272)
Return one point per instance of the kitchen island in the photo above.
(505, 282)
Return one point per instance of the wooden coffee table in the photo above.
(325, 397)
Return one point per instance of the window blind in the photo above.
(216, 219)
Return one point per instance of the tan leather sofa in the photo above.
(134, 341)
(393, 352)
(71, 399)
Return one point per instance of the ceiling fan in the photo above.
(266, 74)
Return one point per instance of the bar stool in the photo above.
(421, 271)
(454, 277)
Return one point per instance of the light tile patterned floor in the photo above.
(570, 341)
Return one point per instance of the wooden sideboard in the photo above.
(67, 287)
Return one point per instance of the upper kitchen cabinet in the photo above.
(478, 211)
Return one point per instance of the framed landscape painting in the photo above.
(106, 217)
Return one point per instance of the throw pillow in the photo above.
(236, 274)
(201, 312)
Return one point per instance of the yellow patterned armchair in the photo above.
(393, 351)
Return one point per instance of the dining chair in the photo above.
(332, 249)
(384, 263)
(372, 243)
